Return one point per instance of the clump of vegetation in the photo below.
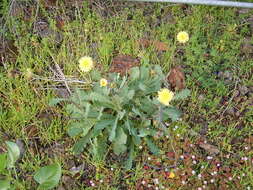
(48, 177)
(124, 111)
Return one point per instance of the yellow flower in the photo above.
(28, 73)
(165, 96)
(171, 175)
(103, 82)
(183, 37)
(85, 64)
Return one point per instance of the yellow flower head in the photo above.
(165, 96)
(28, 73)
(103, 82)
(171, 175)
(85, 64)
(183, 37)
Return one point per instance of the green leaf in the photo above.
(81, 143)
(153, 148)
(143, 132)
(80, 96)
(142, 87)
(121, 137)
(95, 75)
(80, 127)
(133, 132)
(75, 129)
(100, 98)
(118, 148)
(99, 147)
(5, 185)
(55, 101)
(120, 141)
(3, 162)
(101, 125)
(113, 131)
(172, 113)
(129, 161)
(144, 72)
(13, 153)
(48, 177)
(130, 94)
(134, 73)
(182, 94)
(159, 71)
(74, 111)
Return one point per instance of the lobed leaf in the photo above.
(182, 94)
(153, 148)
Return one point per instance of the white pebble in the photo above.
(209, 157)
(246, 148)
(112, 169)
(202, 167)
(199, 188)
(204, 186)
(182, 157)
(193, 172)
(199, 176)
(156, 188)
(156, 181)
(143, 182)
(205, 182)
(191, 145)
(194, 162)
(101, 181)
(212, 181)
(149, 158)
(193, 157)
(183, 182)
(230, 178)
(140, 147)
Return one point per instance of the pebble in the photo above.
(243, 90)
(201, 97)
(230, 111)
(227, 75)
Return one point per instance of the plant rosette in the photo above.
(124, 115)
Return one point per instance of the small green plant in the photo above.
(7, 165)
(48, 177)
(123, 112)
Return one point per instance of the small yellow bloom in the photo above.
(28, 74)
(85, 64)
(103, 82)
(183, 37)
(171, 175)
(165, 96)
